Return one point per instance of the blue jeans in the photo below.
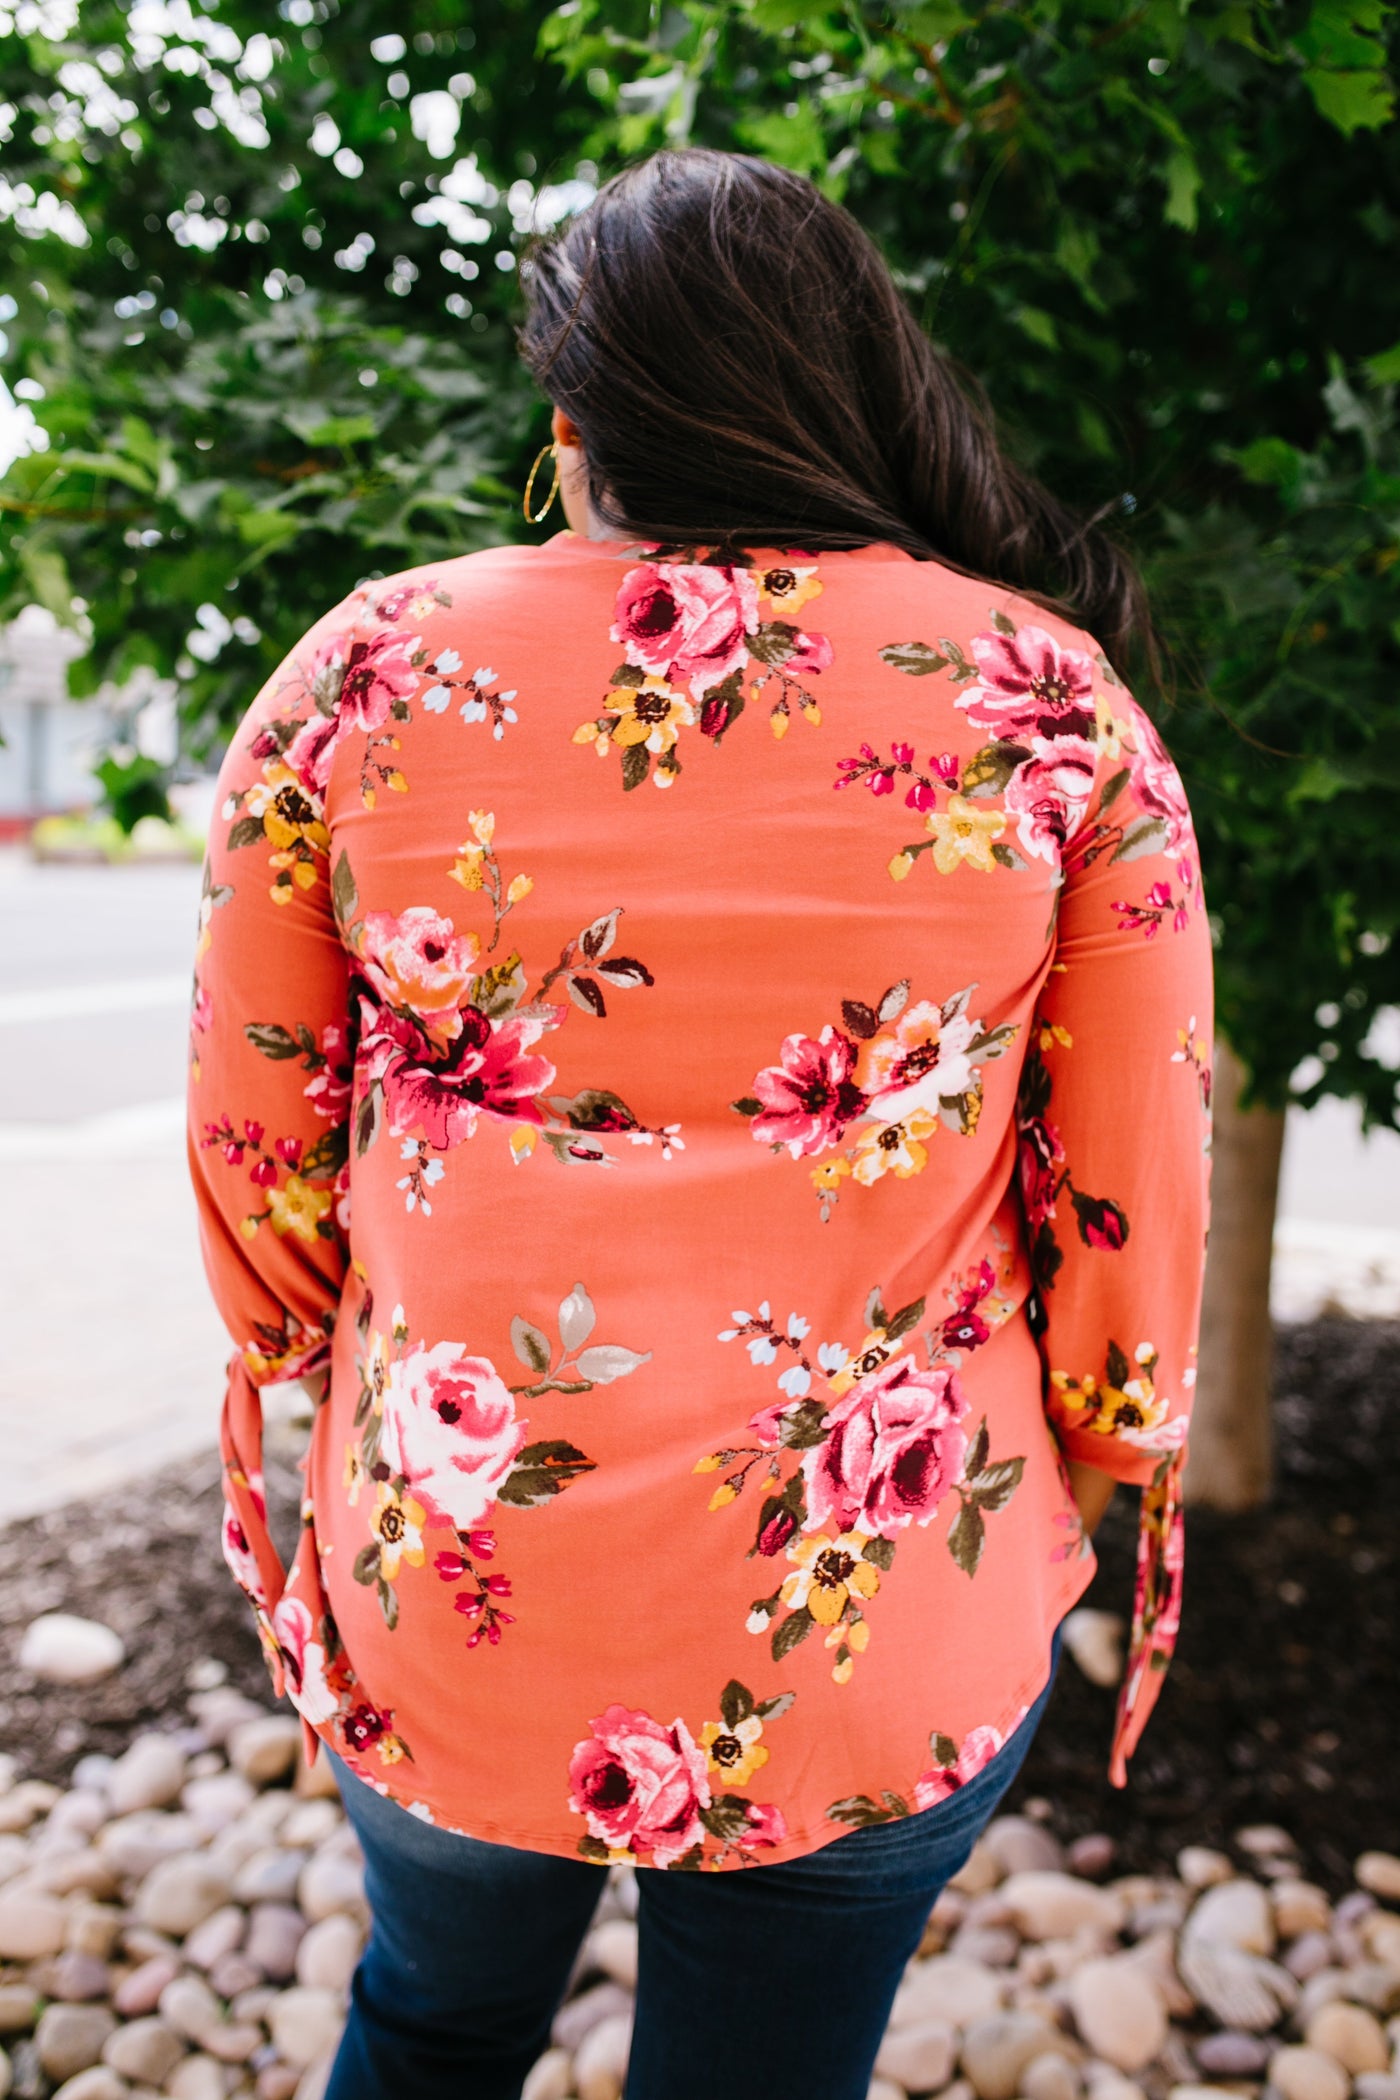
(766, 1983)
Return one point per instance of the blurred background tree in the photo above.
(259, 288)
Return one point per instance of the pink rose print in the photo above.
(894, 1449)
(923, 1061)
(304, 1659)
(1157, 784)
(641, 1786)
(811, 653)
(356, 679)
(488, 1071)
(328, 1090)
(1027, 684)
(450, 1429)
(416, 961)
(1049, 793)
(239, 1556)
(806, 1102)
(766, 1825)
(978, 1750)
(686, 621)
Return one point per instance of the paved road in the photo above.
(113, 1359)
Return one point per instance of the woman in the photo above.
(699, 1032)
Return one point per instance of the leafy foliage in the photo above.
(1162, 233)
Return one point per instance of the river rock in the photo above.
(139, 1991)
(1352, 2035)
(1046, 1906)
(1239, 1989)
(70, 2037)
(1020, 1846)
(550, 2078)
(148, 1775)
(978, 1872)
(221, 1710)
(1231, 2054)
(132, 1845)
(1051, 2077)
(181, 1893)
(216, 1936)
(274, 1934)
(945, 1987)
(233, 1974)
(74, 1977)
(1379, 1874)
(1234, 1914)
(1092, 1855)
(1300, 2073)
(217, 1800)
(884, 2089)
(305, 2024)
(1201, 1867)
(32, 1925)
(1310, 1953)
(600, 2064)
(197, 2078)
(94, 1928)
(327, 1955)
(62, 1649)
(189, 2007)
(19, 2008)
(919, 2057)
(1119, 2014)
(996, 2051)
(308, 1824)
(266, 1749)
(1378, 2085)
(1299, 1907)
(145, 2051)
(98, 2083)
(612, 1947)
(269, 1875)
(582, 2014)
(1266, 1841)
(330, 1882)
(1095, 1642)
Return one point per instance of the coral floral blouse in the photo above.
(709, 1053)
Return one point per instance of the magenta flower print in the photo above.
(1157, 784)
(640, 1785)
(686, 621)
(304, 1660)
(894, 1449)
(952, 1768)
(1049, 793)
(490, 1070)
(450, 1430)
(1026, 684)
(806, 1101)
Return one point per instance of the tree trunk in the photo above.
(1231, 1462)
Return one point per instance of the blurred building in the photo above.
(50, 742)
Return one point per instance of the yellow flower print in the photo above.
(467, 869)
(964, 833)
(397, 1522)
(1075, 1396)
(298, 1208)
(829, 1573)
(391, 1750)
(518, 887)
(482, 823)
(353, 1478)
(894, 1148)
(734, 1753)
(652, 713)
(788, 590)
(1051, 1033)
(828, 1177)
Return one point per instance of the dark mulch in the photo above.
(1283, 1705)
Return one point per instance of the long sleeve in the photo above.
(270, 1077)
(1114, 1123)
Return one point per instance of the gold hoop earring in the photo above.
(550, 452)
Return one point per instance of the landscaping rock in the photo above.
(148, 1775)
(919, 2057)
(62, 1649)
(1119, 2013)
(996, 2051)
(69, 2038)
(1301, 2073)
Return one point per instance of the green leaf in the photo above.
(1384, 368)
(1183, 180)
(1118, 1368)
(988, 770)
(908, 1317)
(942, 1749)
(577, 1317)
(606, 1362)
(735, 1704)
(273, 1040)
(1112, 789)
(994, 1487)
(323, 1160)
(966, 1537)
(345, 897)
(1354, 101)
(1038, 325)
(368, 1117)
(244, 831)
(315, 428)
(726, 1818)
(1147, 836)
(388, 1602)
(542, 1471)
(879, 1552)
(803, 1427)
(530, 1344)
(977, 1450)
(366, 1565)
(860, 1812)
(792, 1631)
(636, 764)
(747, 1105)
(773, 1709)
(916, 659)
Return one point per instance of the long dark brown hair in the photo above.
(743, 371)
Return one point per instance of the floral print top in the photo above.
(700, 1058)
